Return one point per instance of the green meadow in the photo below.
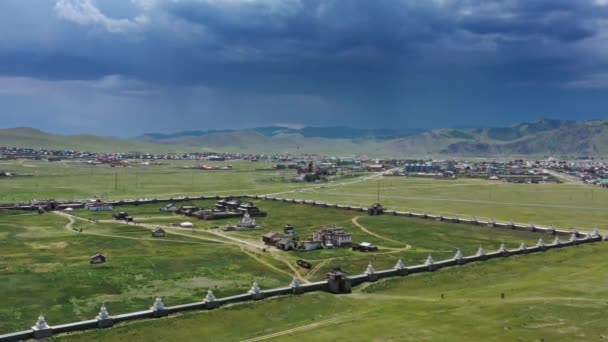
(553, 296)
(44, 259)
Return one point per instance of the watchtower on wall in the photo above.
(337, 282)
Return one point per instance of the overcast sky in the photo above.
(124, 67)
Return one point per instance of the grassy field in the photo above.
(78, 180)
(567, 205)
(44, 263)
(548, 297)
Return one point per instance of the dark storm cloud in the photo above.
(408, 62)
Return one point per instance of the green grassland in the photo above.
(553, 296)
(558, 295)
(566, 205)
(77, 180)
(44, 263)
(409, 238)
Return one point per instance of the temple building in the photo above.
(332, 237)
(246, 223)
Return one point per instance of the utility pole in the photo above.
(116, 181)
(378, 192)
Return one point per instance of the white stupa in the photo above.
(480, 251)
(41, 323)
(370, 269)
(295, 282)
(595, 233)
(158, 304)
(247, 221)
(210, 297)
(103, 313)
(573, 237)
(255, 288)
(540, 243)
(429, 260)
(400, 264)
(458, 255)
(522, 246)
(556, 240)
(502, 248)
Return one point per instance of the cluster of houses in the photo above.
(285, 241)
(326, 237)
(513, 171)
(223, 208)
(206, 167)
(588, 171)
(122, 216)
(8, 153)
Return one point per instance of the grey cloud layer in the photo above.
(350, 59)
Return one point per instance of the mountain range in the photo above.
(541, 138)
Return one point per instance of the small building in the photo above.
(248, 207)
(186, 225)
(271, 238)
(311, 245)
(288, 229)
(228, 204)
(169, 208)
(365, 247)
(121, 215)
(285, 243)
(99, 205)
(97, 258)
(158, 232)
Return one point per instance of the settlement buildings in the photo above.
(332, 237)
(99, 205)
(285, 242)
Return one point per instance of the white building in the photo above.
(332, 236)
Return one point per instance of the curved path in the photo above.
(72, 219)
(356, 223)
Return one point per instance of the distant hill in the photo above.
(539, 138)
(34, 138)
(531, 139)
